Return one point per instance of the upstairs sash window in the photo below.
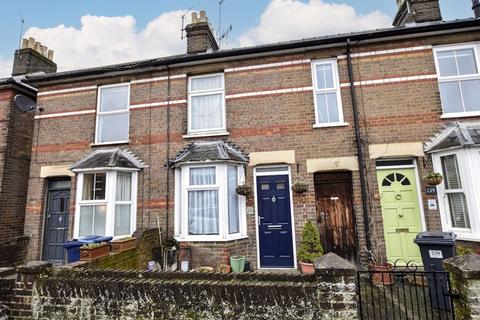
(113, 114)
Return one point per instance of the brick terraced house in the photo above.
(359, 117)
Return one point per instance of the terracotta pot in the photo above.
(433, 181)
(123, 244)
(89, 254)
(307, 267)
(381, 274)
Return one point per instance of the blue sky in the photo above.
(254, 21)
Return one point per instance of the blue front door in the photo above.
(274, 222)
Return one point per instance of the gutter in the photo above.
(300, 46)
(358, 141)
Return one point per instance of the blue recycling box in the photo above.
(73, 246)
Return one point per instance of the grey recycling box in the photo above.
(436, 247)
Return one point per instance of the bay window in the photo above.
(459, 79)
(207, 206)
(206, 104)
(106, 203)
(459, 203)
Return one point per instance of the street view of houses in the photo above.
(271, 159)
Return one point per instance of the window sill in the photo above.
(459, 115)
(329, 125)
(95, 144)
(209, 239)
(205, 134)
(473, 237)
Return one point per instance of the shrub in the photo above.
(464, 251)
(310, 248)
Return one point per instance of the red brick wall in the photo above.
(398, 112)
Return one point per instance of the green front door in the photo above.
(401, 214)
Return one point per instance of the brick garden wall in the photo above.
(255, 123)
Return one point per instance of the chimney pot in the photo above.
(476, 8)
(203, 16)
(50, 55)
(38, 47)
(24, 43)
(194, 17)
(31, 43)
(200, 36)
(27, 61)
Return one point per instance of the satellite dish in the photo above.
(24, 103)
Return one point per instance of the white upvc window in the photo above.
(206, 104)
(459, 79)
(106, 203)
(113, 115)
(207, 206)
(459, 203)
(327, 95)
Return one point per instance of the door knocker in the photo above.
(398, 197)
(274, 199)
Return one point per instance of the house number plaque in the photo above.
(431, 191)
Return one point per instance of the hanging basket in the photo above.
(244, 190)
(433, 179)
(300, 187)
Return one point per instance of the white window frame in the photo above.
(100, 113)
(441, 79)
(468, 160)
(336, 89)
(223, 128)
(182, 181)
(110, 201)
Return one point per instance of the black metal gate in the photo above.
(405, 293)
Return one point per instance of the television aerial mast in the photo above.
(183, 22)
(222, 34)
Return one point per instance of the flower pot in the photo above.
(224, 268)
(381, 274)
(244, 190)
(123, 244)
(237, 263)
(433, 181)
(300, 187)
(89, 254)
(307, 267)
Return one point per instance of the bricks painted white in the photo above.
(65, 114)
(268, 65)
(157, 104)
(267, 92)
(177, 76)
(70, 90)
(390, 80)
(386, 52)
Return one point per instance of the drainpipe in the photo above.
(167, 195)
(358, 141)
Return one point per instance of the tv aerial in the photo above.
(25, 104)
(183, 22)
(222, 34)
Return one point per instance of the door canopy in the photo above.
(455, 135)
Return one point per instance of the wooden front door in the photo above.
(401, 214)
(333, 197)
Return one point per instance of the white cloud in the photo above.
(293, 19)
(5, 67)
(108, 40)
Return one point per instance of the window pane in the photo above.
(207, 83)
(324, 76)
(124, 186)
(99, 220)
(113, 127)
(233, 216)
(122, 219)
(86, 221)
(207, 112)
(202, 176)
(114, 99)
(447, 64)
(94, 186)
(471, 94)
(327, 108)
(451, 173)
(451, 97)
(466, 61)
(457, 204)
(203, 212)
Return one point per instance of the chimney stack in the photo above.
(476, 8)
(417, 11)
(200, 36)
(33, 57)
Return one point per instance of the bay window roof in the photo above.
(216, 151)
(455, 135)
(109, 159)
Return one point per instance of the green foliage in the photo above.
(433, 175)
(310, 248)
(93, 245)
(464, 251)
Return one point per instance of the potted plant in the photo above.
(237, 263)
(300, 187)
(92, 251)
(380, 269)
(310, 248)
(123, 244)
(224, 268)
(433, 179)
(244, 190)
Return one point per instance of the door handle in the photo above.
(400, 215)
(398, 197)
